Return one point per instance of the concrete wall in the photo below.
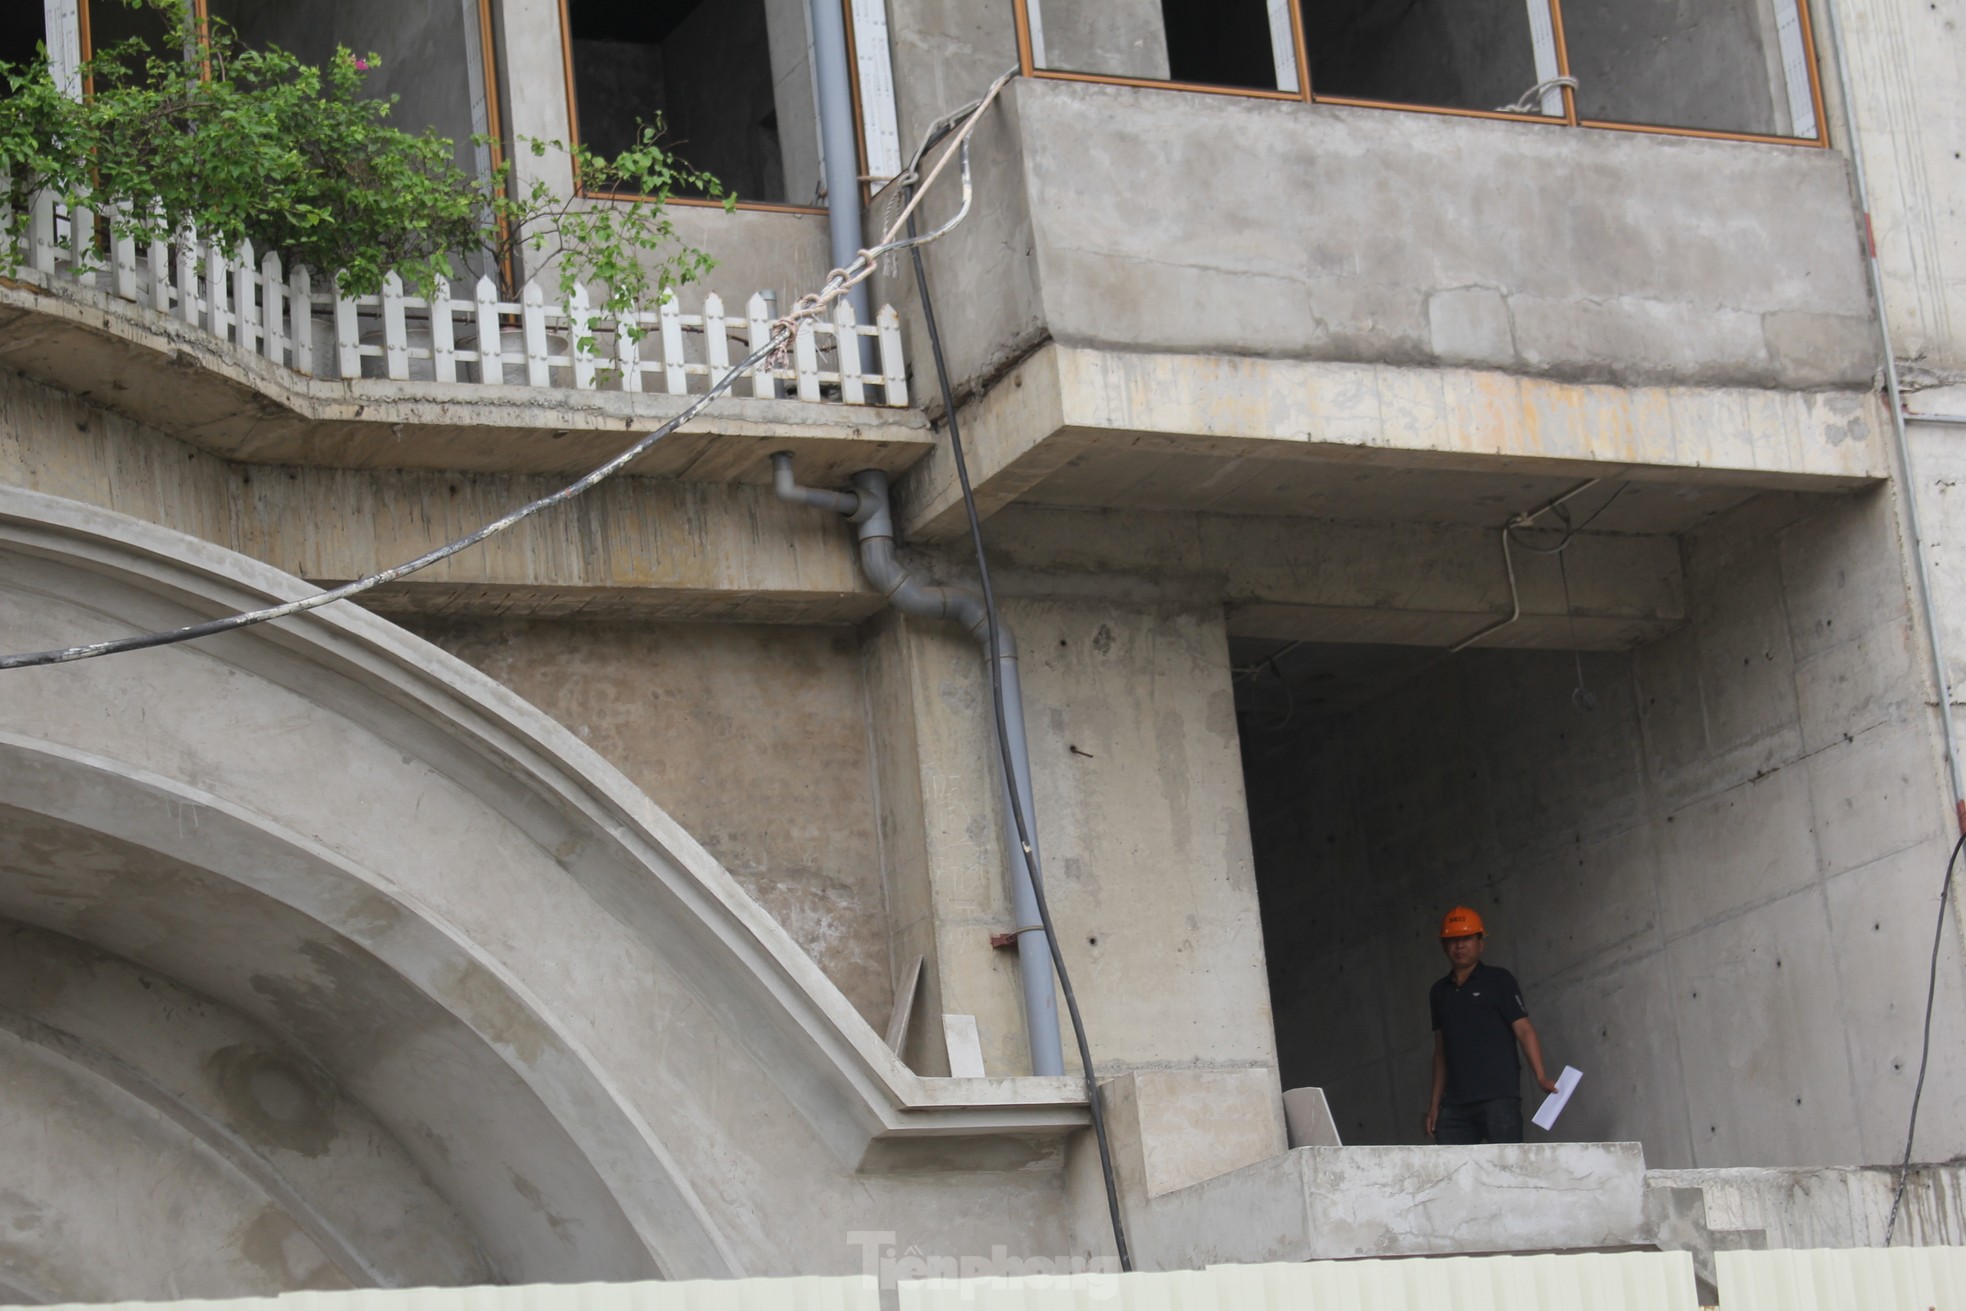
(1716, 888)
(756, 736)
(1360, 235)
(1139, 817)
(1907, 98)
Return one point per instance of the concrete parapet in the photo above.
(1318, 1203)
(1352, 234)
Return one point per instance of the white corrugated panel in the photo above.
(1596, 1281)
(1844, 1279)
(853, 1293)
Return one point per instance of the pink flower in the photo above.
(361, 65)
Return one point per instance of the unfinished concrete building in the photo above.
(1428, 454)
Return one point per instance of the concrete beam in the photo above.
(1062, 402)
(1313, 580)
(654, 548)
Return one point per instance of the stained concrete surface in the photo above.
(755, 736)
(1139, 816)
(177, 1109)
(1715, 887)
(589, 1039)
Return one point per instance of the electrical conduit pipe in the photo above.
(867, 508)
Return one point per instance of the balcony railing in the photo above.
(294, 317)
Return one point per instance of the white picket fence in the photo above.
(294, 317)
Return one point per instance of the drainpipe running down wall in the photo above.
(868, 509)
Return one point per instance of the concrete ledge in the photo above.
(1319, 1203)
(180, 379)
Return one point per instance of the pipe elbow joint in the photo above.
(786, 485)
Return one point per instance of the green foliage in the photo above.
(257, 145)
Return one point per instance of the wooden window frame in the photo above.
(1307, 94)
(581, 190)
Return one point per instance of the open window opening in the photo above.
(730, 81)
(23, 30)
(1241, 44)
(1736, 66)
(1467, 54)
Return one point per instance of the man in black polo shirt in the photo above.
(1478, 1021)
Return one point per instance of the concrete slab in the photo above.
(1121, 410)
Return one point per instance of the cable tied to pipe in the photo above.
(916, 186)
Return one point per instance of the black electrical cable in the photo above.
(1018, 817)
(1925, 1049)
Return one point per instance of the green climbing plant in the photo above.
(258, 145)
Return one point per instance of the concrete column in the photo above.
(1140, 814)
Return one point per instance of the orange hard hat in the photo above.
(1462, 923)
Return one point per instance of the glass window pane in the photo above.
(728, 78)
(1245, 44)
(1448, 54)
(1723, 65)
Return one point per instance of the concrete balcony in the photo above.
(1167, 300)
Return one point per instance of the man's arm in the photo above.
(1440, 1081)
(1532, 1047)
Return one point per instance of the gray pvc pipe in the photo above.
(788, 489)
(838, 139)
(868, 508)
(912, 597)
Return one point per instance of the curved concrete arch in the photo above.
(321, 1194)
(317, 819)
(118, 847)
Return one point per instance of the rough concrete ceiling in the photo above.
(1284, 686)
(1351, 490)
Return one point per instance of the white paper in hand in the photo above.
(1566, 1083)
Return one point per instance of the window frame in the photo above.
(581, 190)
(1307, 93)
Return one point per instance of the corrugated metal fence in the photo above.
(1844, 1279)
(1624, 1281)
(1861, 1279)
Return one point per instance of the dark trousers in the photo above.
(1497, 1121)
